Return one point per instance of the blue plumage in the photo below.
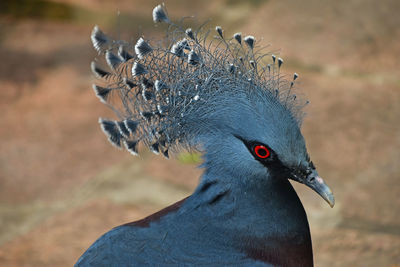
(220, 99)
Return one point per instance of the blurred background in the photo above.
(62, 184)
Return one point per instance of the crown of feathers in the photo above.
(163, 94)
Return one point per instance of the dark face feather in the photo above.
(302, 173)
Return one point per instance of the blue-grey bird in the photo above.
(221, 97)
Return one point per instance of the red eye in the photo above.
(261, 151)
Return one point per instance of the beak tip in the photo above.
(330, 199)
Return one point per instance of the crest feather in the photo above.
(169, 93)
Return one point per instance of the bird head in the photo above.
(219, 97)
(257, 137)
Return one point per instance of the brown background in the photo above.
(62, 185)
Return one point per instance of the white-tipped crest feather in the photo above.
(142, 48)
(159, 14)
(100, 41)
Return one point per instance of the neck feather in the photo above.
(266, 220)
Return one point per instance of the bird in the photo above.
(201, 91)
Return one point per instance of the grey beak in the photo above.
(317, 184)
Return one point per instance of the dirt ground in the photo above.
(62, 185)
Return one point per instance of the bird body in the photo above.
(219, 99)
(217, 225)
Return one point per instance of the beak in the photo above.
(316, 183)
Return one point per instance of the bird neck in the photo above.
(262, 218)
(268, 202)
